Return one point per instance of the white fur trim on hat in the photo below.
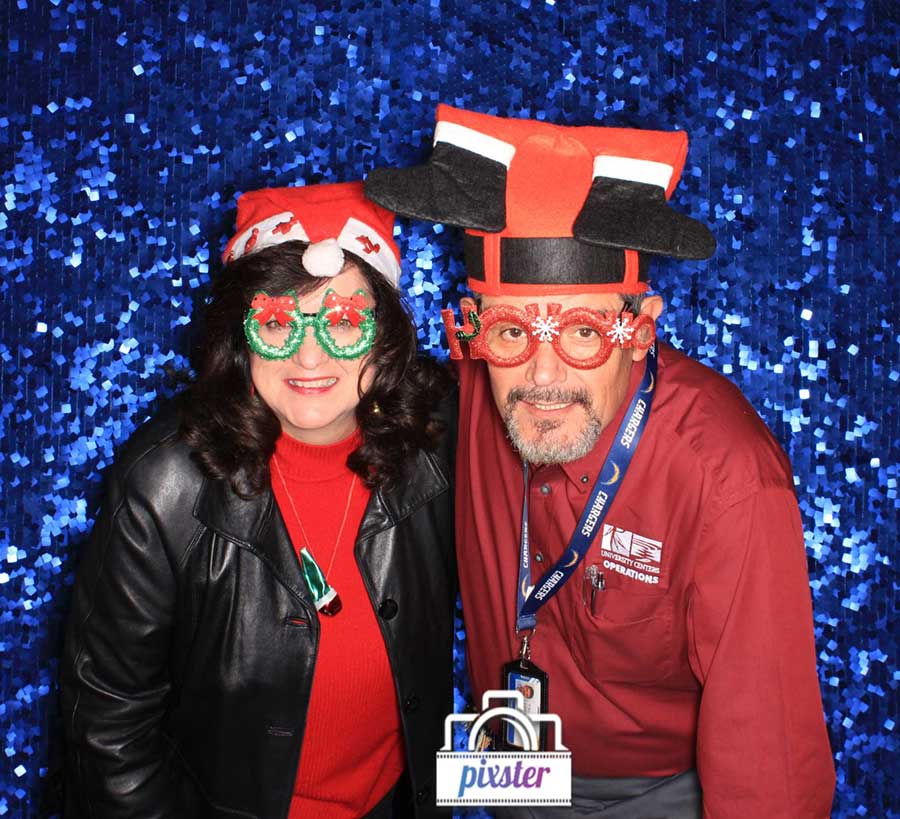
(633, 170)
(361, 239)
(471, 140)
(282, 227)
(323, 259)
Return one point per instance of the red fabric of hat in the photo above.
(331, 217)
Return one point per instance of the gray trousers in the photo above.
(669, 797)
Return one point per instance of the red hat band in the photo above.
(497, 265)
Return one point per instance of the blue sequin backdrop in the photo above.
(128, 128)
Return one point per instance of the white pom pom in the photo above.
(324, 259)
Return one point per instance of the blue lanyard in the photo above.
(530, 599)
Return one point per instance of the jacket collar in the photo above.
(256, 523)
(424, 479)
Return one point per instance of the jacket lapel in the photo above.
(256, 524)
(423, 481)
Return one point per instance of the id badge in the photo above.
(525, 677)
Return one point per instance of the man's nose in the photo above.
(545, 367)
(309, 354)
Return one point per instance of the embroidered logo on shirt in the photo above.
(631, 554)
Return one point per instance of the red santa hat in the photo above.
(332, 218)
(549, 208)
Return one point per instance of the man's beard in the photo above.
(543, 447)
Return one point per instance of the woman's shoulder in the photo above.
(155, 457)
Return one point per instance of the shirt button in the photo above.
(538, 558)
(545, 489)
(411, 704)
(388, 609)
(422, 795)
(584, 479)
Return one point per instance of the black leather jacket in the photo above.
(192, 638)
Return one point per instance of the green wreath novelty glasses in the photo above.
(344, 327)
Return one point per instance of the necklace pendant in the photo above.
(326, 599)
(330, 604)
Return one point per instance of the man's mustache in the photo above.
(548, 395)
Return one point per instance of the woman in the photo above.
(262, 621)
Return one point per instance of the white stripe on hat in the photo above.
(633, 170)
(266, 235)
(356, 236)
(471, 140)
(361, 239)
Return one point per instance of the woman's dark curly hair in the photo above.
(233, 431)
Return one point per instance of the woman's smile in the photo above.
(310, 386)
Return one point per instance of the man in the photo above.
(622, 513)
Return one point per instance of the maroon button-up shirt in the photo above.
(699, 651)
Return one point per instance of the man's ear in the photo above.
(651, 306)
(466, 304)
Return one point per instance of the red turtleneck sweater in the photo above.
(353, 747)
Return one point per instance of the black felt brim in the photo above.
(456, 187)
(635, 216)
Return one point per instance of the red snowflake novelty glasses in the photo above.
(507, 336)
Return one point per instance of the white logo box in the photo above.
(504, 778)
(527, 777)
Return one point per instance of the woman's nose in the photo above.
(309, 355)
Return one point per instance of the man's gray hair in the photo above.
(633, 302)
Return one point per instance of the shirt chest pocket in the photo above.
(624, 636)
